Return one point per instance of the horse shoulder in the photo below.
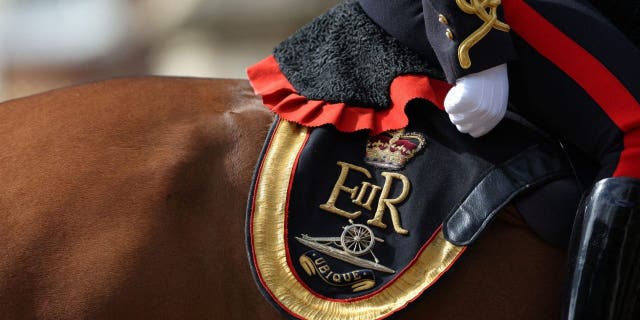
(127, 196)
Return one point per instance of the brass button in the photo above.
(449, 34)
(443, 20)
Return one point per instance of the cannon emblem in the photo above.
(355, 241)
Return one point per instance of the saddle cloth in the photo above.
(348, 225)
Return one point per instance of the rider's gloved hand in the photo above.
(478, 101)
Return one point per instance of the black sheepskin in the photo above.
(343, 56)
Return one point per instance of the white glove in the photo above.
(478, 101)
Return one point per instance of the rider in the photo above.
(573, 73)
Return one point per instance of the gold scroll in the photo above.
(487, 11)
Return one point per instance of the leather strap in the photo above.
(534, 166)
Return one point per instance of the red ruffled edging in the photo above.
(281, 97)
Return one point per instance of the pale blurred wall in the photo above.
(46, 44)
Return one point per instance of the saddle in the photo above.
(365, 194)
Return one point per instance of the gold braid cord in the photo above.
(487, 11)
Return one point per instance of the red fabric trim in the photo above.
(629, 163)
(279, 95)
(589, 73)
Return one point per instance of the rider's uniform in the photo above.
(573, 73)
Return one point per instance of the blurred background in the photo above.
(48, 44)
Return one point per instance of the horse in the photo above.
(126, 198)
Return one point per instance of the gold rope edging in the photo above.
(269, 246)
(490, 18)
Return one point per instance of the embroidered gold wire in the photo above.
(269, 246)
(487, 11)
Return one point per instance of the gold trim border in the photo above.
(268, 241)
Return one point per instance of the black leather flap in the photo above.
(534, 166)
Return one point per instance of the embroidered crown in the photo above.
(393, 149)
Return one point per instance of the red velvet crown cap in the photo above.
(279, 95)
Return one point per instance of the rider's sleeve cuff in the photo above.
(450, 31)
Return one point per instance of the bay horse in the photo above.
(126, 199)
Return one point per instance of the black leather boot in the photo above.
(604, 275)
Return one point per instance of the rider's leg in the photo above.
(605, 253)
(577, 77)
